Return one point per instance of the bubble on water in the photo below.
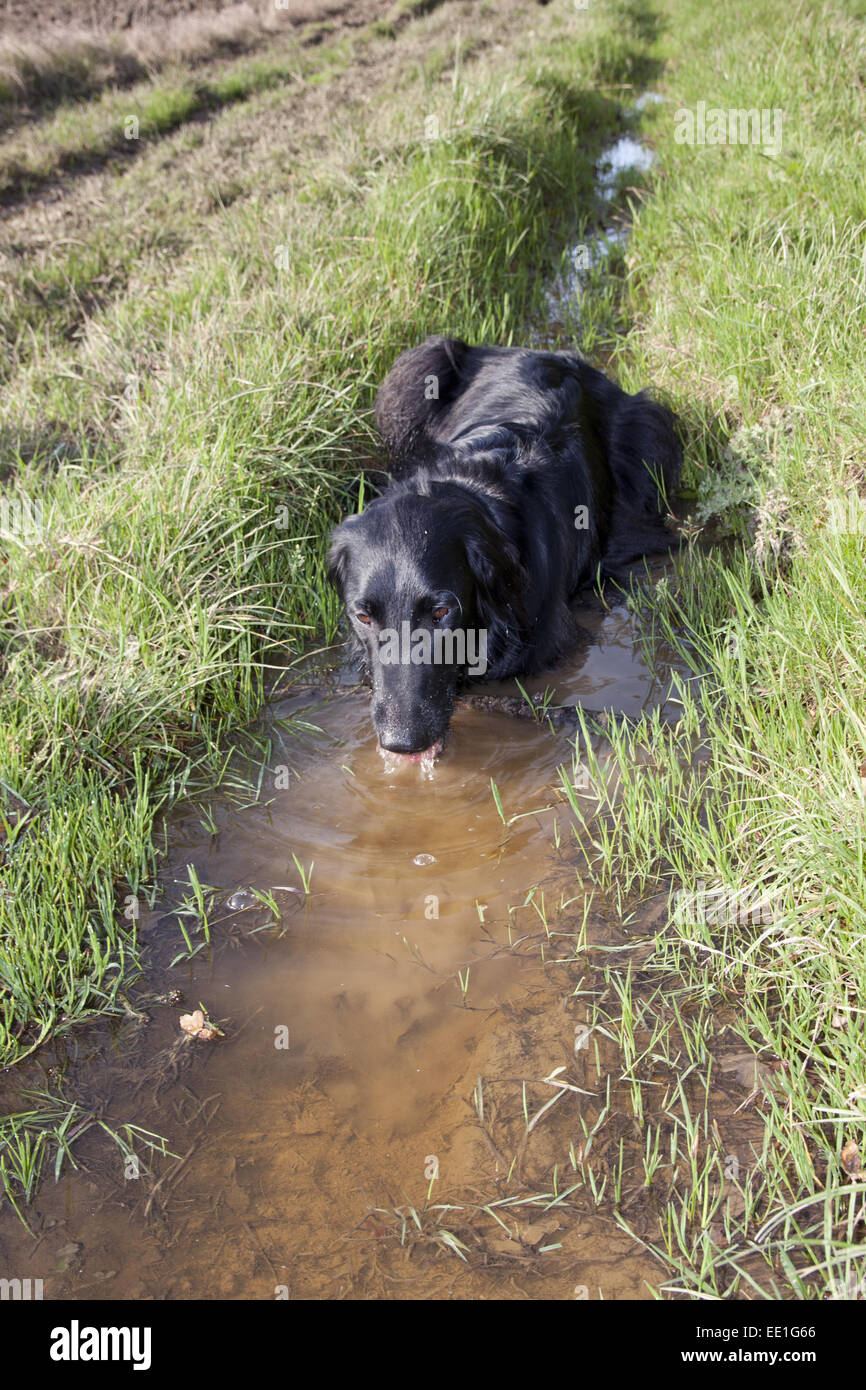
(422, 859)
(242, 899)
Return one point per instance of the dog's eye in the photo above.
(440, 612)
(364, 618)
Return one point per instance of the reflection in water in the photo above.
(377, 1039)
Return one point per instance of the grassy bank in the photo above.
(192, 345)
(748, 295)
(192, 338)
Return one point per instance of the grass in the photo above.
(747, 286)
(43, 1136)
(69, 64)
(116, 121)
(187, 400)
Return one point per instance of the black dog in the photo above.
(520, 476)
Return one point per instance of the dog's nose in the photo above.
(403, 743)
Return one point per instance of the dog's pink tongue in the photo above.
(426, 756)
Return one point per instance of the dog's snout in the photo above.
(403, 743)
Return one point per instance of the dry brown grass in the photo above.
(73, 61)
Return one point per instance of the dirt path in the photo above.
(16, 16)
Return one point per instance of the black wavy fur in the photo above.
(493, 452)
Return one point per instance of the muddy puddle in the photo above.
(400, 1103)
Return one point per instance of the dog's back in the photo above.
(443, 394)
(444, 389)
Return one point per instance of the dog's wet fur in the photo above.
(494, 454)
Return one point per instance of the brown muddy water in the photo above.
(372, 1122)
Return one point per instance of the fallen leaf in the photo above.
(535, 1234)
(199, 1027)
(850, 1157)
(374, 1226)
(507, 1247)
(745, 1068)
(736, 1203)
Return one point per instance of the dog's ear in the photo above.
(340, 553)
(500, 579)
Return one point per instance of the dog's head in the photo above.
(430, 583)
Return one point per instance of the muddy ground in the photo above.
(17, 16)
